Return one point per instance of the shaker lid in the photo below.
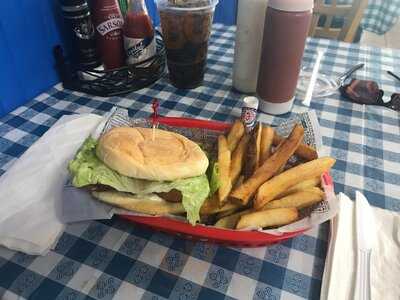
(186, 5)
(291, 5)
(250, 102)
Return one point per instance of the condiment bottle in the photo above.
(249, 32)
(78, 19)
(285, 31)
(139, 41)
(108, 21)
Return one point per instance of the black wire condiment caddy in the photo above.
(107, 83)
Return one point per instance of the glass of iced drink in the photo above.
(186, 26)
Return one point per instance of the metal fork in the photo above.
(342, 77)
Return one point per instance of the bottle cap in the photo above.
(276, 108)
(291, 5)
(251, 102)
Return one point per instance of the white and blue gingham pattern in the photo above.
(116, 259)
(381, 15)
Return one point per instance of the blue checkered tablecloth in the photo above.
(116, 259)
(381, 15)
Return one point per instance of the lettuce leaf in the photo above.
(87, 169)
(214, 179)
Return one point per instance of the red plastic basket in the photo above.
(202, 232)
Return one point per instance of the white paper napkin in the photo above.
(340, 265)
(30, 191)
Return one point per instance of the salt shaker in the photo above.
(249, 112)
(249, 30)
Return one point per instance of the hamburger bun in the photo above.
(131, 151)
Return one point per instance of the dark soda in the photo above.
(186, 32)
(187, 65)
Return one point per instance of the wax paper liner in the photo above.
(78, 205)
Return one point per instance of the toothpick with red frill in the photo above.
(154, 117)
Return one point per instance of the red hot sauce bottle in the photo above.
(108, 21)
(139, 41)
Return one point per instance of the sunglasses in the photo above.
(368, 92)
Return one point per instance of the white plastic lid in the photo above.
(250, 102)
(291, 5)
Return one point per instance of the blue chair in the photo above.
(28, 31)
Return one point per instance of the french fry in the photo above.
(303, 185)
(239, 181)
(226, 213)
(252, 159)
(299, 200)
(235, 134)
(268, 218)
(287, 163)
(271, 166)
(303, 151)
(258, 137)
(238, 158)
(224, 164)
(254, 151)
(267, 136)
(280, 183)
(211, 206)
(229, 222)
(207, 219)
